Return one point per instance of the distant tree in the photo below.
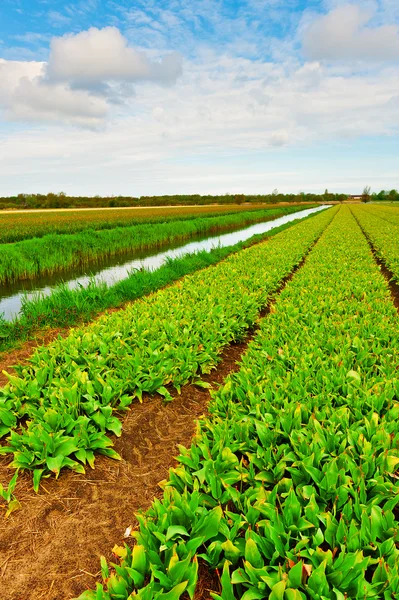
(366, 195)
(393, 196)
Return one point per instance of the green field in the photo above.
(67, 306)
(54, 253)
(289, 489)
(21, 225)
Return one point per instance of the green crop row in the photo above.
(59, 409)
(67, 306)
(54, 253)
(383, 235)
(290, 488)
(387, 213)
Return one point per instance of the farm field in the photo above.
(289, 487)
(55, 253)
(20, 225)
(51, 304)
(66, 306)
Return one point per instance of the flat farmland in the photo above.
(60, 279)
(42, 252)
(16, 225)
(273, 375)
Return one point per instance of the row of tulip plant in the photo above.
(290, 489)
(382, 233)
(389, 214)
(59, 410)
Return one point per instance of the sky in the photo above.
(161, 97)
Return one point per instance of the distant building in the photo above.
(355, 197)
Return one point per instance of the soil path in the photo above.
(21, 354)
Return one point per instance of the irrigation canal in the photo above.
(114, 269)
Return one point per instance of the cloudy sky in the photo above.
(198, 96)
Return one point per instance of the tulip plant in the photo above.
(58, 411)
(291, 486)
(382, 229)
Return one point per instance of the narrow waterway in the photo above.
(114, 269)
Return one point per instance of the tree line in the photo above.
(61, 200)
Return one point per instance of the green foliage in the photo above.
(17, 226)
(290, 487)
(7, 494)
(55, 253)
(60, 408)
(381, 225)
(66, 307)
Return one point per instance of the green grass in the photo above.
(56, 253)
(18, 226)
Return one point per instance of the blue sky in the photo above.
(156, 97)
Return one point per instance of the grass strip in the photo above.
(59, 409)
(290, 488)
(55, 253)
(65, 307)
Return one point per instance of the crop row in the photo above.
(387, 213)
(53, 253)
(67, 306)
(383, 235)
(289, 488)
(68, 396)
(15, 227)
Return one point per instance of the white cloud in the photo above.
(25, 96)
(97, 56)
(225, 107)
(344, 34)
(213, 108)
(279, 138)
(41, 102)
(86, 74)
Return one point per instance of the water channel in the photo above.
(113, 269)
